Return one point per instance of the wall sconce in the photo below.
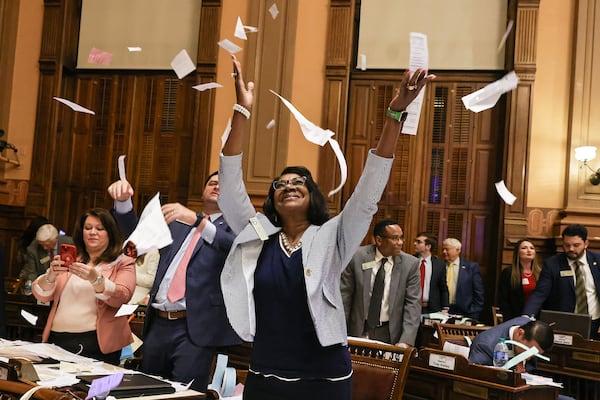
(584, 154)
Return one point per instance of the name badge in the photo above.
(44, 260)
(567, 272)
(525, 281)
(369, 265)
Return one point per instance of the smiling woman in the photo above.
(86, 295)
(281, 280)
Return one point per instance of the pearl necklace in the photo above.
(286, 243)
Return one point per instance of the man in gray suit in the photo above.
(41, 251)
(381, 289)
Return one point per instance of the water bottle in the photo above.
(500, 353)
(27, 287)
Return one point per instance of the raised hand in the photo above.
(120, 190)
(410, 88)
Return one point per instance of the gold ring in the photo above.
(411, 87)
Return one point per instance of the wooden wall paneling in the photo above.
(270, 61)
(9, 13)
(342, 40)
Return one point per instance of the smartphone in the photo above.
(68, 254)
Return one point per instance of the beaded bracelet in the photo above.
(242, 110)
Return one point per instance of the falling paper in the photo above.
(239, 30)
(29, 317)
(362, 62)
(505, 36)
(134, 49)
(229, 46)
(182, 64)
(251, 29)
(100, 57)
(121, 167)
(271, 124)
(205, 86)
(126, 309)
(320, 136)
(152, 231)
(226, 133)
(74, 106)
(102, 386)
(488, 96)
(274, 10)
(507, 196)
(419, 58)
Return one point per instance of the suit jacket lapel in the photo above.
(594, 268)
(366, 277)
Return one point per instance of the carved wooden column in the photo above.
(583, 199)
(520, 56)
(58, 54)
(341, 32)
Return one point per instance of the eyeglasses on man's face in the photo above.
(294, 182)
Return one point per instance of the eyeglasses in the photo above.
(394, 238)
(295, 182)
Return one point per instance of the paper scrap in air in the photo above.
(182, 64)
(506, 195)
(99, 57)
(121, 167)
(102, 386)
(152, 231)
(134, 49)
(274, 11)
(488, 96)
(29, 317)
(229, 46)
(419, 58)
(126, 309)
(320, 136)
(362, 62)
(505, 36)
(205, 86)
(74, 106)
(239, 30)
(226, 133)
(271, 124)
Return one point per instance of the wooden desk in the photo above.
(575, 363)
(437, 375)
(17, 328)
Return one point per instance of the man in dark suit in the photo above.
(465, 286)
(181, 334)
(521, 329)
(397, 312)
(570, 281)
(433, 275)
(41, 251)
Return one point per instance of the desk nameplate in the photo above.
(442, 361)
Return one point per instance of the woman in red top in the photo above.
(518, 282)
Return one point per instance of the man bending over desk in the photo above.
(521, 329)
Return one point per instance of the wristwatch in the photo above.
(399, 116)
(199, 218)
(98, 280)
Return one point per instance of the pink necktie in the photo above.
(422, 268)
(177, 288)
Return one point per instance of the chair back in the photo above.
(497, 316)
(380, 369)
(457, 333)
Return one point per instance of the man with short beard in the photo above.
(569, 281)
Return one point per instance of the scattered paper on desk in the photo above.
(419, 58)
(362, 62)
(102, 386)
(205, 86)
(507, 196)
(100, 57)
(29, 317)
(229, 46)
(74, 106)
(239, 30)
(320, 136)
(152, 231)
(271, 124)
(121, 167)
(274, 10)
(505, 36)
(126, 309)
(488, 96)
(532, 379)
(182, 64)
(134, 49)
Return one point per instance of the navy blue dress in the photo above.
(286, 344)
